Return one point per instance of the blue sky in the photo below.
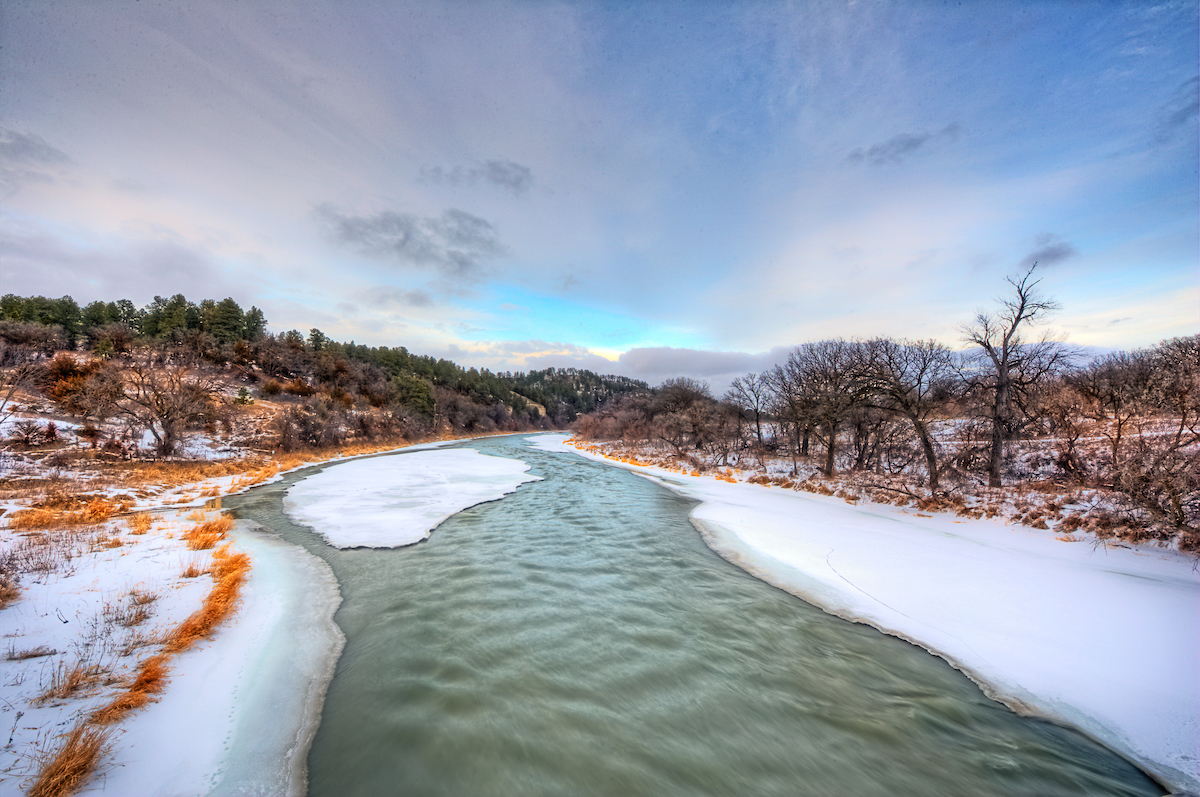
(643, 188)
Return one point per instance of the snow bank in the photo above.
(1102, 638)
(241, 709)
(390, 501)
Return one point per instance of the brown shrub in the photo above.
(10, 590)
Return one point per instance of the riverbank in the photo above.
(104, 588)
(1098, 637)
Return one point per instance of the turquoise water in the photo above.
(578, 638)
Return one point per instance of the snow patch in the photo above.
(387, 502)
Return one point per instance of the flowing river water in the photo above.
(578, 638)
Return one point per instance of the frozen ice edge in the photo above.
(1167, 752)
(401, 500)
(246, 704)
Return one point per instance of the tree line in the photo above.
(946, 418)
(162, 367)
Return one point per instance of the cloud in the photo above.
(502, 173)
(1050, 250)
(1180, 111)
(384, 296)
(899, 147)
(718, 368)
(454, 243)
(27, 158)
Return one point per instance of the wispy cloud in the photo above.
(25, 157)
(1181, 111)
(389, 296)
(454, 243)
(899, 147)
(505, 174)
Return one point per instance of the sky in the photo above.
(643, 188)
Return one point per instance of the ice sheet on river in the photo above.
(386, 502)
(1104, 639)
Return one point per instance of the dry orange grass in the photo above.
(192, 571)
(208, 533)
(229, 570)
(97, 510)
(140, 524)
(63, 770)
(10, 590)
(151, 679)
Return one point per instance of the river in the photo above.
(578, 638)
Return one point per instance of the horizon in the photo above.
(643, 191)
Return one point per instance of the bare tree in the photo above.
(751, 393)
(904, 378)
(12, 380)
(1117, 390)
(165, 399)
(1006, 367)
(1161, 476)
(822, 384)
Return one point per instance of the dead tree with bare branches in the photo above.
(1006, 367)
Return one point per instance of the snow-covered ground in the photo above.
(1102, 638)
(392, 501)
(242, 708)
(238, 708)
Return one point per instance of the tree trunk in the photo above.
(830, 449)
(931, 464)
(1000, 414)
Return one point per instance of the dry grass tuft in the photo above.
(136, 640)
(151, 679)
(208, 533)
(63, 771)
(66, 680)
(10, 590)
(37, 518)
(140, 524)
(140, 597)
(229, 571)
(192, 570)
(31, 653)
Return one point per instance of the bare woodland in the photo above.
(1111, 445)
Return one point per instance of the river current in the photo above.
(578, 638)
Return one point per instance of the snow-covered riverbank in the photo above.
(241, 710)
(1103, 639)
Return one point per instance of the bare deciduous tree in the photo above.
(751, 393)
(165, 399)
(822, 384)
(1116, 388)
(904, 378)
(1006, 367)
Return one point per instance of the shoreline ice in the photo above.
(1101, 639)
(244, 706)
(399, 500)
